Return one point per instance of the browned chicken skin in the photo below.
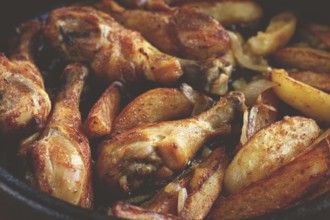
(24, 103)
(184, 32)
(155, 152)
(61, 156)
(115, 53)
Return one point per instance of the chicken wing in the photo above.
(115, 53)
(184, 32)
(153, 153)
(61, 156)
(24, 103)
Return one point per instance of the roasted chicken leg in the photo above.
(61, 156)
(24, 103)
(184, 32)
(115, 53)
(155, 152)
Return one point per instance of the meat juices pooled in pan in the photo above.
(61, 156)
(154, 153)
(115, 53)
(24, 103)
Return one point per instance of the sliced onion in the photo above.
(182, 197)
(247, 61)
(255, 88)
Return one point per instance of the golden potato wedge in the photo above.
(205, 186)
(268, 150)
(324, 185)
(312, 102)
(304, 58)
(316, 35)
(127, 211)
(192, 196)
(231, 12)
(282, 188)
(155, 105)
(101, 116)
(318, 80)
(278, 33)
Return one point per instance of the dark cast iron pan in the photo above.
(29, 203)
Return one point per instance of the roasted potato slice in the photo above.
(127, 211)
(268, 150)
(279, 190)
(310, 101)
(318, 80)
(324, 185)
(204, 186)
(230, 12)
(192, 196)
(316, 35)
(105, 110)
(304, 58)
(161, 104)
(279, 32)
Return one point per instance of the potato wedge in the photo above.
(205, 186)
(312, 102)
(316, 35)
(282, 188)
(231, 12)
(279, 32)
(192, 196)
(268, 150)
(317, 80)
(156, 105)
(304, 58)
(127, 211)
(324, 185)
(101, 116)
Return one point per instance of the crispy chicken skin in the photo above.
(115, 53)
(153, 153)
(24, 103)
(61, 156)
(183, 32)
